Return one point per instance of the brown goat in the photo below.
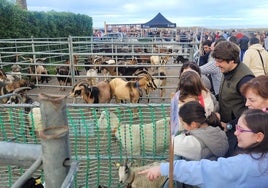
(131, 90)
(100, 93)
(6, 88)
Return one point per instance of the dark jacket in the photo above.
(243, 43)
(231, 102)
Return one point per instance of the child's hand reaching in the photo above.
(152, 173)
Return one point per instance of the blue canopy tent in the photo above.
(159, 21)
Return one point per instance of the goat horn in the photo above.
(21, 89)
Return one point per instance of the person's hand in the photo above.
(152, 173)
(224, 126)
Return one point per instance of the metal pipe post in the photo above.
(54, 139)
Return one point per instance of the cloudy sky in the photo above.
(206, 13)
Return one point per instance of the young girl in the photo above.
(203, 137)
(247, 170)
(192, 89)
(194, 67)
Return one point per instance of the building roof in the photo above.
(159, 21)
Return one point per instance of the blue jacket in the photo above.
(241, 171)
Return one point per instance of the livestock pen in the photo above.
(56, 52)
(100, 134)
(93, 139)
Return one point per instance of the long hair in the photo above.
(257, 121)
(190, 84)
(193, 111)
(192, 65)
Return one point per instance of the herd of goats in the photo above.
(122, 80)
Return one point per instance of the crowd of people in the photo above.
(222, 139)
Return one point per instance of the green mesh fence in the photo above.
(99, 137)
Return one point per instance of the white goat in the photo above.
(92, 77)
(34, 118)
(129, 175)
(108, 119)
(155, 60)
(137, 138)
(148, 138)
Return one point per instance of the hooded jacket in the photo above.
(201, 143)
(253, 61)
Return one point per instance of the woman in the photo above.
(256, 94)
(247, 170)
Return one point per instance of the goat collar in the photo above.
(129, 184)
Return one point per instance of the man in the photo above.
(212, 70)
(206, 50)
(256, 57)
(243, 44)
(231, 101)
(235, 74)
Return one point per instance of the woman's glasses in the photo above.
(239, 129)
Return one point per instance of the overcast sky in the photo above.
(206, 13)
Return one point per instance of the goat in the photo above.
(100, 93)
(129, 90)
(144, 59)
(34, 118)
(6, 88)
(152, 85)
(16, 71)
(125, 70)
(155, 140)
(156, 134)
(158, 60)
(155, 60)
(89, 61)
(98, 60)
(130, 176)
(3, 75)
(64, 73)
(160, 81)
(9, 78)
(92, 77)
(20, 97)
(180, 59)
(38, 71)
(108, 70)
(109, 120)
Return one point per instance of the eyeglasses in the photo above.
(239, 129)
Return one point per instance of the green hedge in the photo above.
(18, 23)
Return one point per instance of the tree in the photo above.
(22, 4)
